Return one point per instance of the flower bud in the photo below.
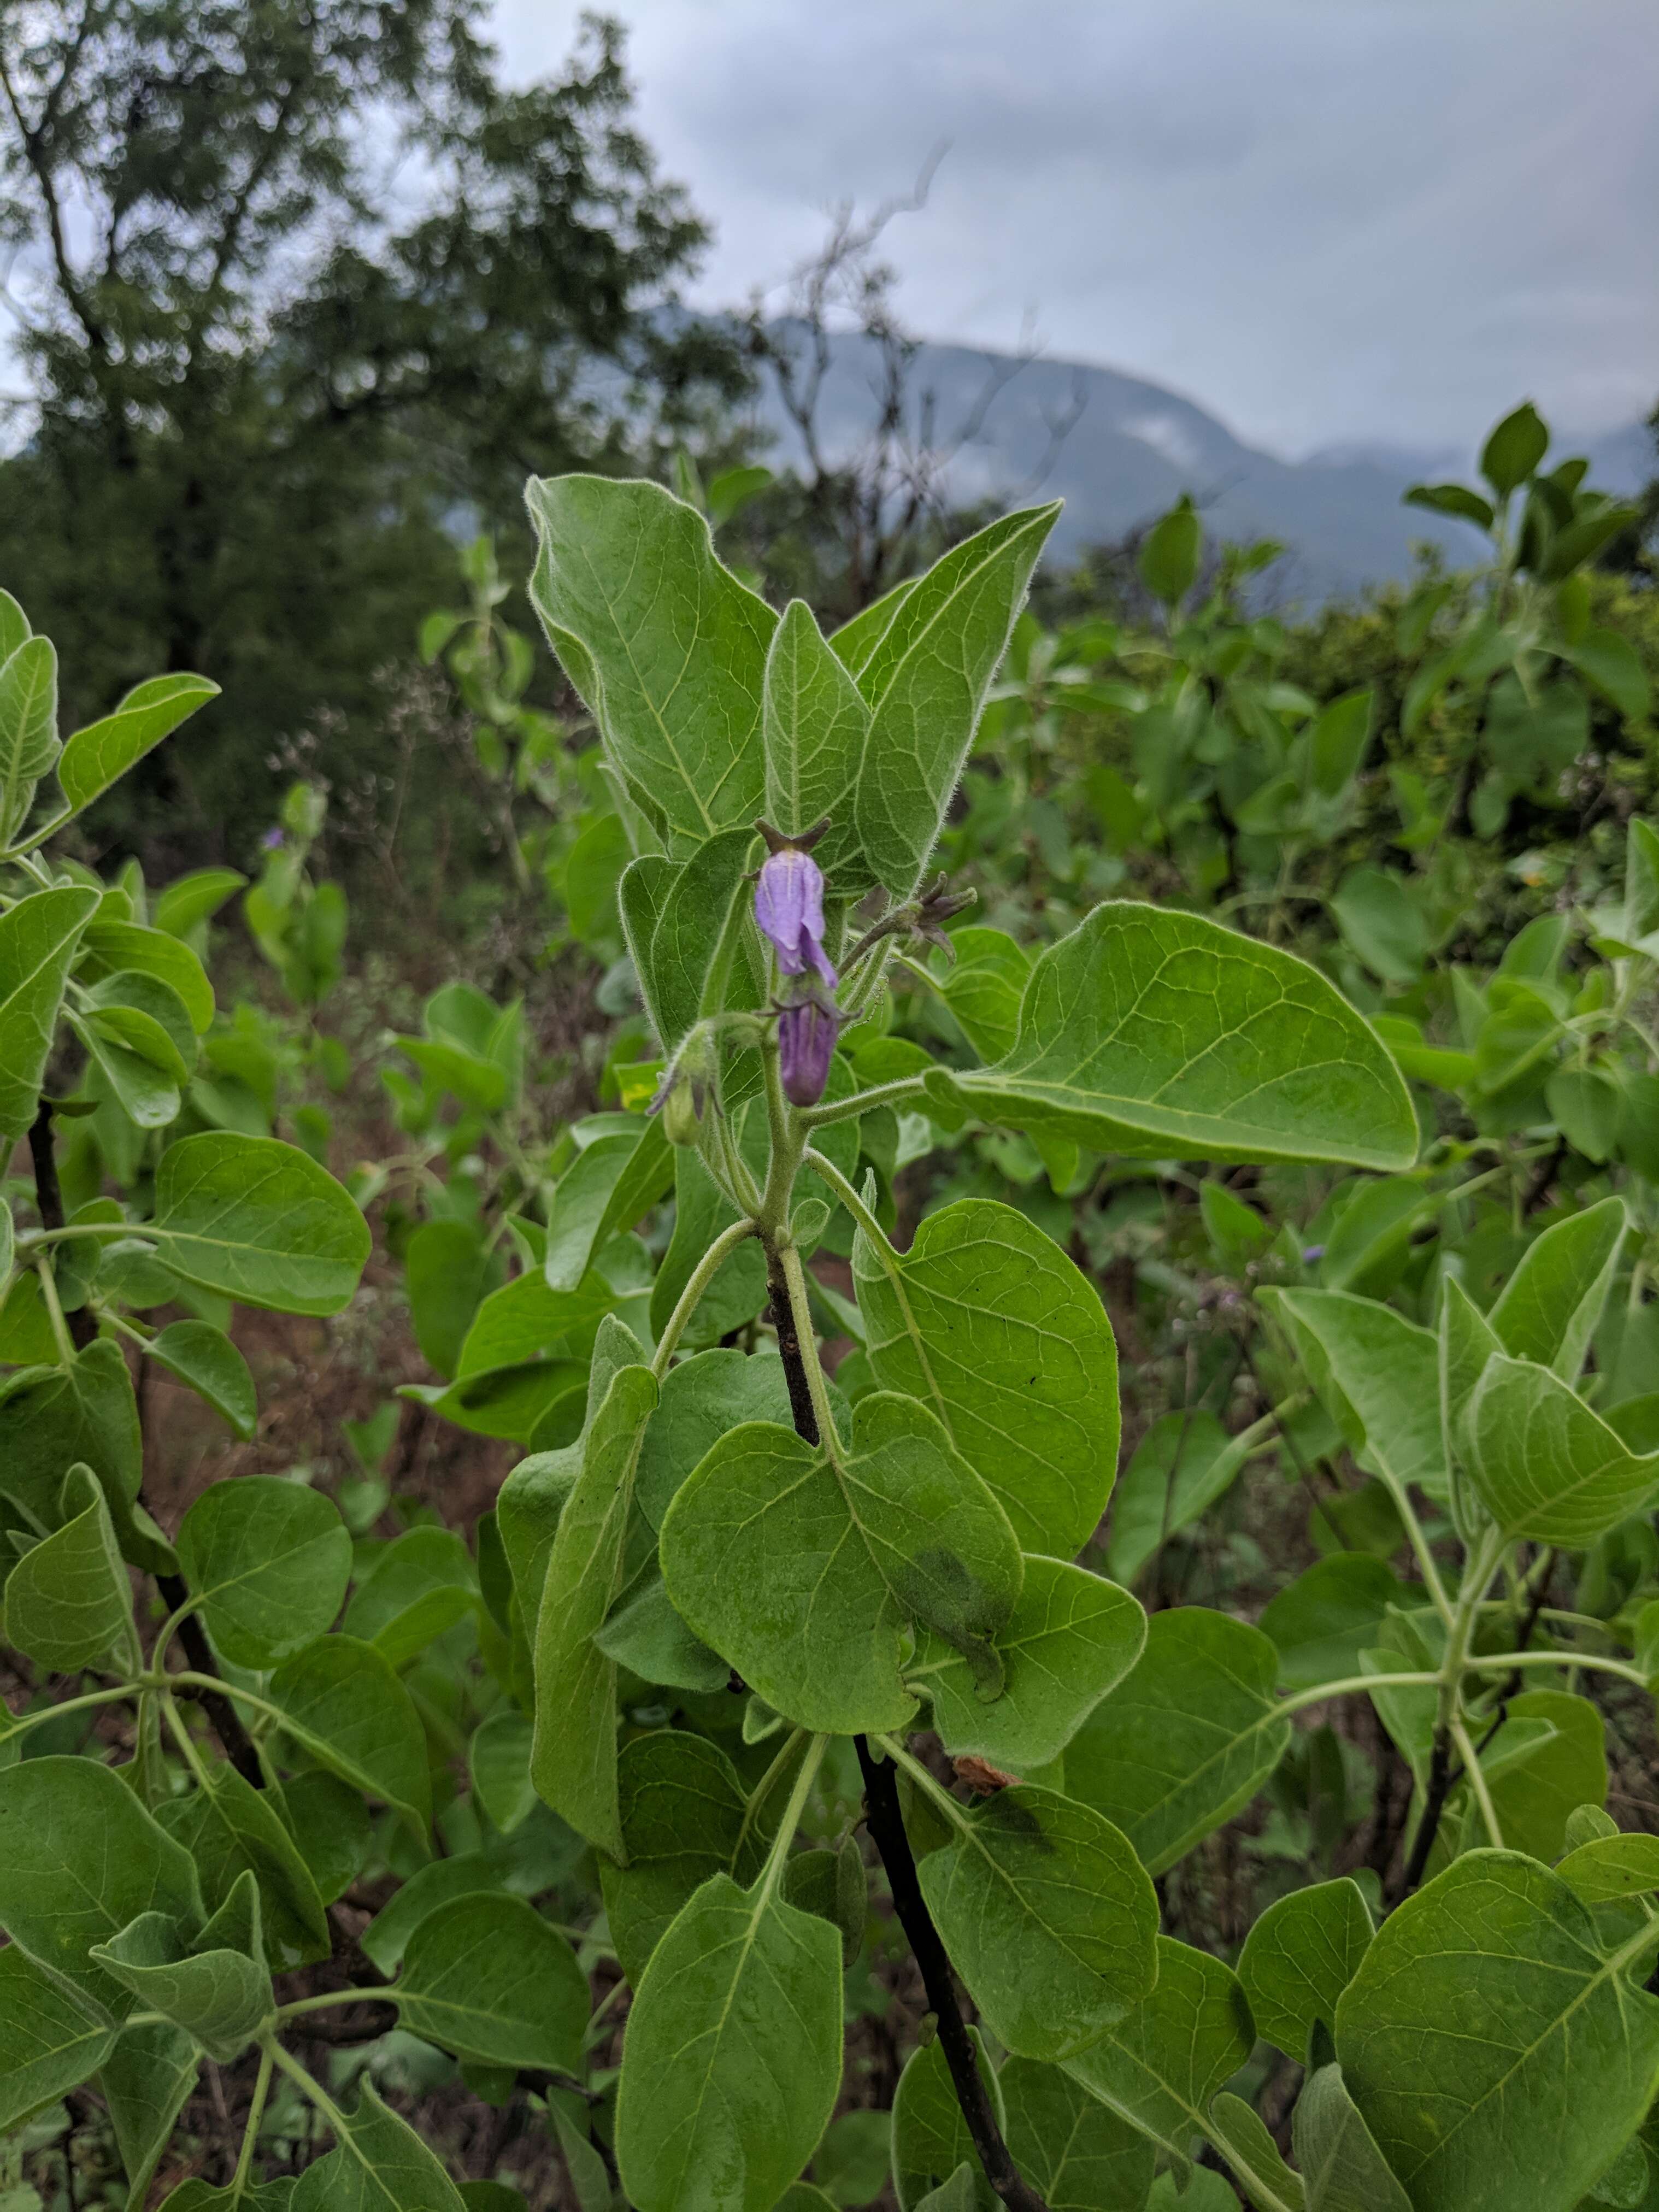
(679, 1114)
(789, 908)
(807, 1029)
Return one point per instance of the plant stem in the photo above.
(903, 1091)
(701, 1275)
(255, 2113)
(885, 1821)
(49, 1203)
(886, 1826)
(762, 1789)
(792, 1812)
(1513, 1661)
(1478, 1784)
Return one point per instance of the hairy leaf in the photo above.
(268, 1562)
(259, 1221)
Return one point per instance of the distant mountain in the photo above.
(1135, 447)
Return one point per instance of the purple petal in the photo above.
(789, 908)
(806, 1044)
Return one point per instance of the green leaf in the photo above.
(49, 2041)
(984, 986)
(1070, 1638)
(1547, 1466)
(573, 1762)
(116, 948)
(146, 2082)
(498, 1758)
(434, 1884)
(1379, 1375)
(958, 2194)
(734, 2053)
(381, 2165)
(28, 721)
(1452, 499)
(737, 1292)
(220, 1996)
(523, 1318)
(702, 1399)
(999, 1333)
(1614, 667)
(1187, 1739)
(1076, 2153)
(1385, 924)
(231, 1829)
(1514, 449)
(1567, 1769)
(99, 756)
(68, 1601)
(259, 1221)
(1329, 1615)
(79, 1859)
(446, 1273)
(1185, 1462)
(803, 1568)
(419, 1587)
(268, 1562)
(1161, 1035)
(667, 647)
(1552, 1304)
(144, 1095)
(39, 938)
(1160, 2070)
(1338, 741)
(648, 1638)
(1341, 2166)
(1169, 553)
(148, 1017)
(927, 681)
(486, 1978)
(688, 975)
(331, 1826)
(1047, 1916)
(580, 1206)
(681, 1807)
(52, 1416)
(1490, 1985)
(1254, 2156)
(814, 719)
(858, 640)
(190, 900)
(341, 1702)
(204, 1358)
(1610, 1867)
(1299, 1957)
(930, 2136)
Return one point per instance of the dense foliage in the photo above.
(814, 1663)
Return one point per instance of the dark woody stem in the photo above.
(175, 1591)
(884, 1815)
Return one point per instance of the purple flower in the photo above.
(807, 1029)
(789, 908)
(273, 840)
(1310, 1252)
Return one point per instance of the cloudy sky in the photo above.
(1326, 220)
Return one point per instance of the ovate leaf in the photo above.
(1077, 2153)
(996, 1330)
(342, 1703)
(803, 1567)
(1550, 1307)
(98, 755)
(488, 1979)
(80, 1858)
(203, 1357)
(269, 1562)
(1380, 1376)
(1161, 1035)
(1545, 1466)
(1047, 1916)
(1299, 1957)
(145, 2081)
(259, 1221)
(218, 1995)
(734, 2053)
(1160, 2070)
(1070, 1638)
(37, 941)
(930, 2136)
(232, 1829)
(1187, 1739)
(29, 720)
(682, 1809)
(667, 647)
(1491, 1988)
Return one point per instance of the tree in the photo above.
(293, 286)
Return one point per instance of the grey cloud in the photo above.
(1327, 219)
